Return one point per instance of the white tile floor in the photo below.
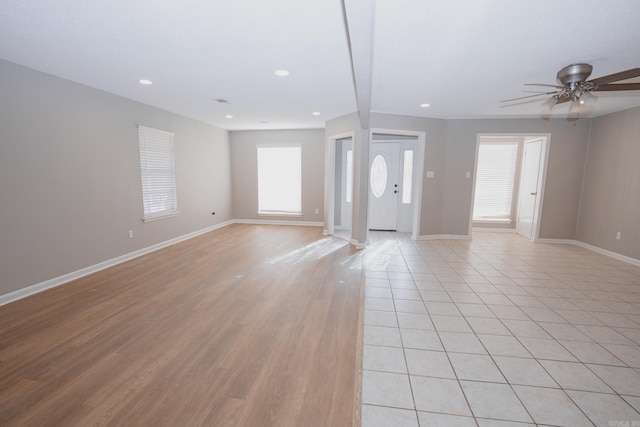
(498, 331)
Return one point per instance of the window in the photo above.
(407, 177)
(378, 176)
(279, 180)
(157, 169)
(494, 181)
(349, 180)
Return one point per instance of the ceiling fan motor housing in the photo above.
(574, 73)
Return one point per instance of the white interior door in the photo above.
(529, 187)
(384, 188)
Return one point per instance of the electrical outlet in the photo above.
(131, 234)
(317, 211)
(618, 235)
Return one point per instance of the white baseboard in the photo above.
(65, 278)
(557, 241)
(584, 245)
(444, 237)
(592, 248)
(278, 222)
(358, 245)
(608, 253)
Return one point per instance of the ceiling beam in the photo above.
(359, 16)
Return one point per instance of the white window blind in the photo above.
(494, 181)
(280, 180)
(157, 169)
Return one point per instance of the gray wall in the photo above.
(435, 135)
(450, 150)
(611, 192)
(567, 155)
(70, 177)
(244, 166)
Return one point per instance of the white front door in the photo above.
(384, 180)
(529, 187)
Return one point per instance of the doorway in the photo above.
(339, 178)
(343, 204)
(410, 210)
(392, 182)
(512, 197)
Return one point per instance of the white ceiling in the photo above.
(460, 56)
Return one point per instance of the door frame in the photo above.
(417, 173)
(542, 177)
(330, 180)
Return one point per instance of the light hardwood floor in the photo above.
(244, 326)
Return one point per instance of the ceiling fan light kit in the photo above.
(575, 88)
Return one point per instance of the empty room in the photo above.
(320, 213)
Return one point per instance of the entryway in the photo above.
(343, 202)
(391, 182)
(348, 185)
(509, 183)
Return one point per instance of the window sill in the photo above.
(159, 217)
(492, 221)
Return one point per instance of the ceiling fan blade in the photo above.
(622, 75)
(542, 84)
(530, 96)
(563, 100)
(618, 86)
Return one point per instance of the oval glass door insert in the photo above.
(378, 176)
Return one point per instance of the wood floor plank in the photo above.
(244, 326)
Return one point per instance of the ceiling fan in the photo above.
(575, 88)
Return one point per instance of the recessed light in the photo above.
(281, 73)
(425, 105)
(145, 82)
(316, 113)
(228, 116)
